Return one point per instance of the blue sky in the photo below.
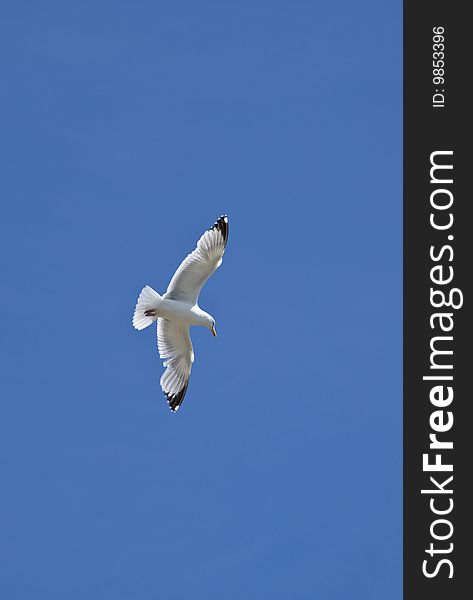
(127, 129)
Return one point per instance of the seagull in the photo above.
(178, 309)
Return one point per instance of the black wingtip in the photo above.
(175, 400)
(221, 225)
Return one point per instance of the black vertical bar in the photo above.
(437, 119)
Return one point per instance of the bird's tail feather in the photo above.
(146, 311)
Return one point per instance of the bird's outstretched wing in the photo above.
(175, 346)
(199, 265)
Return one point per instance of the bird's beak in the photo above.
(213, 331)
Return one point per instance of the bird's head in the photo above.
(212, 326)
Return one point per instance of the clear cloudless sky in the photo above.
(127, 128)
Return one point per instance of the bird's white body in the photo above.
(178, 309)
(183, 312)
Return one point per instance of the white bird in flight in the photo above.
(178, 308)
